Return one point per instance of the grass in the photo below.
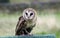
(8, 23)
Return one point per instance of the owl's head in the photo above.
(29, 14)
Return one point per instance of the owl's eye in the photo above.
(31, 14)
(26, 13)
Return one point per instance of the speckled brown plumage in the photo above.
(21, 27)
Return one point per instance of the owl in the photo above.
(26, 22)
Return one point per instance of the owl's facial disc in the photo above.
(29, 15)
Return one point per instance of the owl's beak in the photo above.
(28, 17)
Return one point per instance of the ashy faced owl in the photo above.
(26, 22)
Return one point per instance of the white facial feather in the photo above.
(28, 14)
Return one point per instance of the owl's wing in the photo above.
(20, 24)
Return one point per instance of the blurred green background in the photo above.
(48, 15)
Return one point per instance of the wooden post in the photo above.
(32, 36)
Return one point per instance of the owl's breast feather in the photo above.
(30, 24)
